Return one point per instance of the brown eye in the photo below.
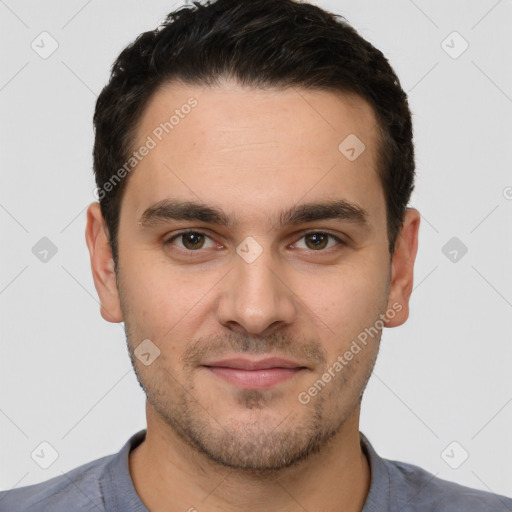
(190, 240)
(193, 240)
(318, 241)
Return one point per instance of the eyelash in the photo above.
(198, 232)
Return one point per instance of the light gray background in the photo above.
(444, 376)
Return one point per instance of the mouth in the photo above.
(251, 374)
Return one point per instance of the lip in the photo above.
(250, 364)
(250, 374)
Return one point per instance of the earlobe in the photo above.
(402, 268)
(102, 265)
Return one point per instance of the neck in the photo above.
(170, 475)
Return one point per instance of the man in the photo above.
(254, 163)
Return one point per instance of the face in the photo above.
(253, 255)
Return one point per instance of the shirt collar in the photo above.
(378, 498)
(116, 482)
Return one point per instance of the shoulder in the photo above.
(417, 489)
(77, 490)
(397, 485)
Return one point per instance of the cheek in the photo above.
(349, 299)
(163, 300)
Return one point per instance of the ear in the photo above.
(402, 268)
(102, 264)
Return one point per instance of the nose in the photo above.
(255, 297)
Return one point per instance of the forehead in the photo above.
(253, 148)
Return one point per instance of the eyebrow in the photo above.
(175, 209)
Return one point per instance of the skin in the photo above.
(211, 445)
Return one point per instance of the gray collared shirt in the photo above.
(105, 485)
